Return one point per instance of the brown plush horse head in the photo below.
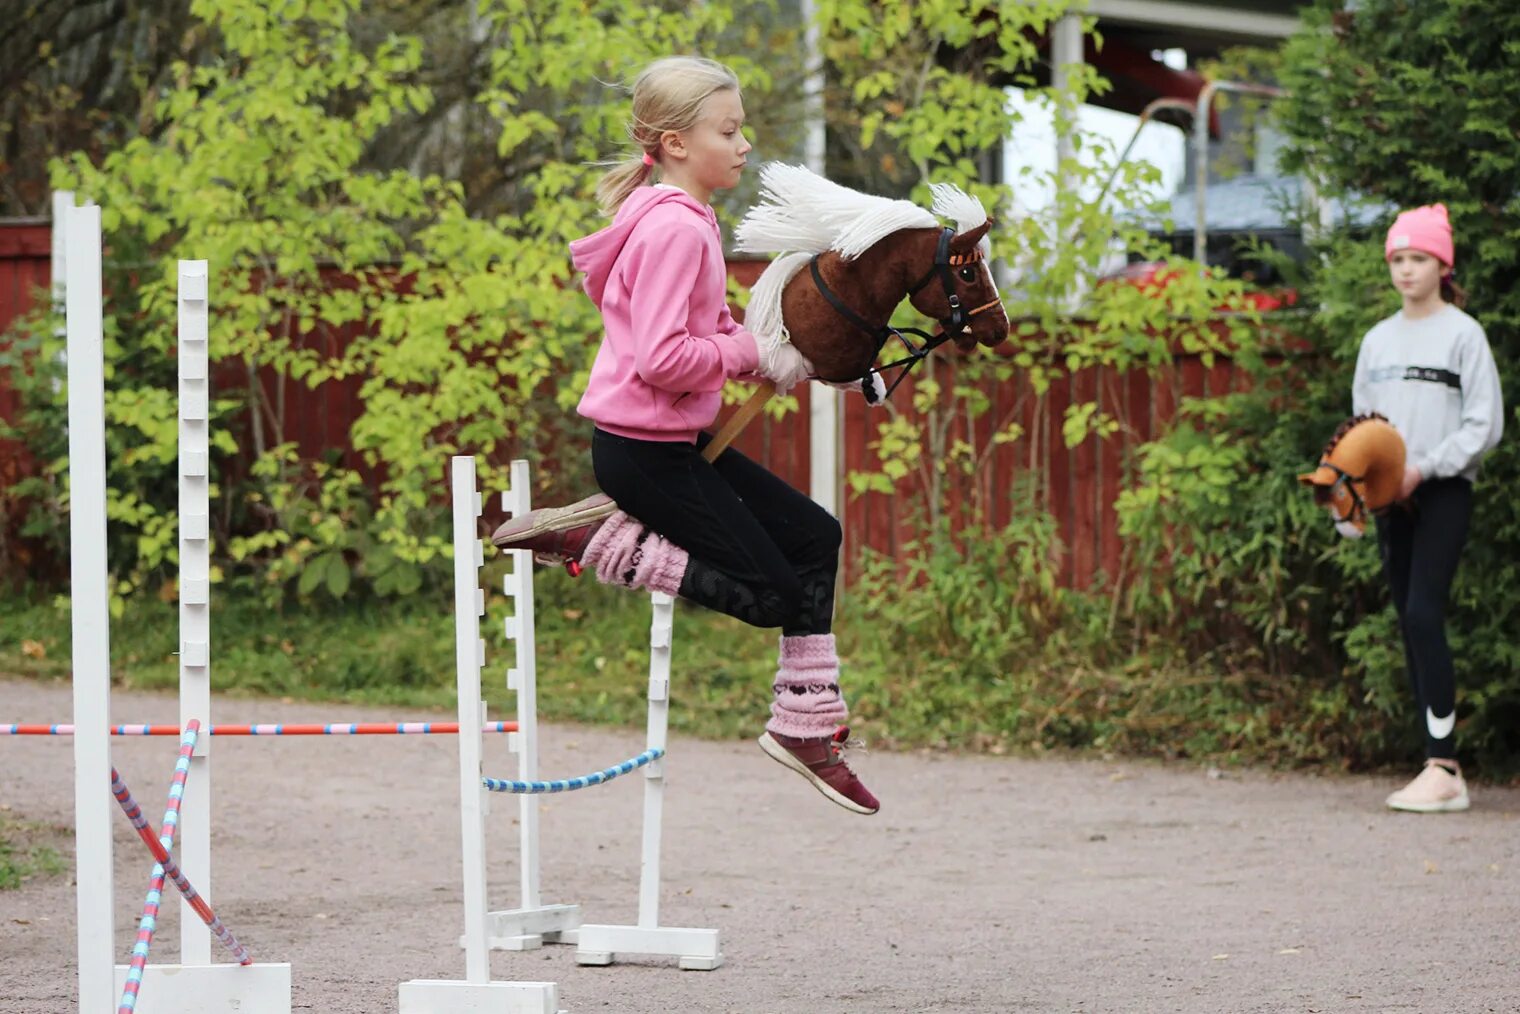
(1359, 472)
(851, 260)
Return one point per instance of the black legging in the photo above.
(760, 551)
(1420, 544)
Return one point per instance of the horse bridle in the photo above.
(959, 317)
(1346, 479)
(951, 325)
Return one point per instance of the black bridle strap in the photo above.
(882, 333)
(878, 332)
(957, 319)
(916, 354)
(1345, 478)
(950, 325)
(941, 260)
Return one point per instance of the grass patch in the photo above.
(593, 654)
(913, 676)
(29, 849)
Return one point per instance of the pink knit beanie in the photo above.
(1424, 229)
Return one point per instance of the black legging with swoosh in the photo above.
(1420, 542)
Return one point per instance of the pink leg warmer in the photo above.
(808, 704)
(625, 553)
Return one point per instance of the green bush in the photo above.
(466, 334)
(1236, 561)
(1410, 105)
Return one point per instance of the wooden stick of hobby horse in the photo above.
(715, 447)
(739, 420)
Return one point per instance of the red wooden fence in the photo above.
(25, 268)
(1077, 486)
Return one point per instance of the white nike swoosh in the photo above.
(1440, 728)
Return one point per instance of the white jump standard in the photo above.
(476, 993)
(532, 923)
(535, 923)
(195, 985)
(697, 949)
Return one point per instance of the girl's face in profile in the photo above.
(1415, 274)
(716, 146)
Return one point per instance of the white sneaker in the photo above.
(1437, 789)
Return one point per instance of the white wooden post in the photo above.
(197, 984)
(825, 404)
(522, 680)
(195, 599)
(90, 610)
(697, 949)
(533, 923)
(477, 994)
(657, 735)
(469, 656)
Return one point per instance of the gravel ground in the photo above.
(985, 884)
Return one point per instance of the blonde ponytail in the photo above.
(623, 179)
(668, 95)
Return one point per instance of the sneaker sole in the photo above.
(1448, 806)
(570, 518)
(781, 755)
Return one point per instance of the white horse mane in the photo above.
(801, 214)
(801, 211)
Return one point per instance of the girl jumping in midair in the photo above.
(726, 534)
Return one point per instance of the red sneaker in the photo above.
(556, 535)
(821, 761)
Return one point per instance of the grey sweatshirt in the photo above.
(1436, 381)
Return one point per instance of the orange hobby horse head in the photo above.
(1359, 472)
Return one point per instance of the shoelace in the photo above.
(838, 744)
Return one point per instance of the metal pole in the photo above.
(1201, 156)
(1065, 51)
(1151, 108)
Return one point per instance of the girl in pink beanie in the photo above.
(1430, 371)
(1426, 230)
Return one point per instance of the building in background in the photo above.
(1150, 51)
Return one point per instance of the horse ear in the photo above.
(965, 242)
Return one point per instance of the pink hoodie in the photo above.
(658, 276)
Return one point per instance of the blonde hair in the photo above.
(667, 95)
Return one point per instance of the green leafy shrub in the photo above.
(464, 334)
(1239, 563)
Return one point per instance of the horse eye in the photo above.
(967, 273)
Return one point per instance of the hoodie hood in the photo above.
(597, 254)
